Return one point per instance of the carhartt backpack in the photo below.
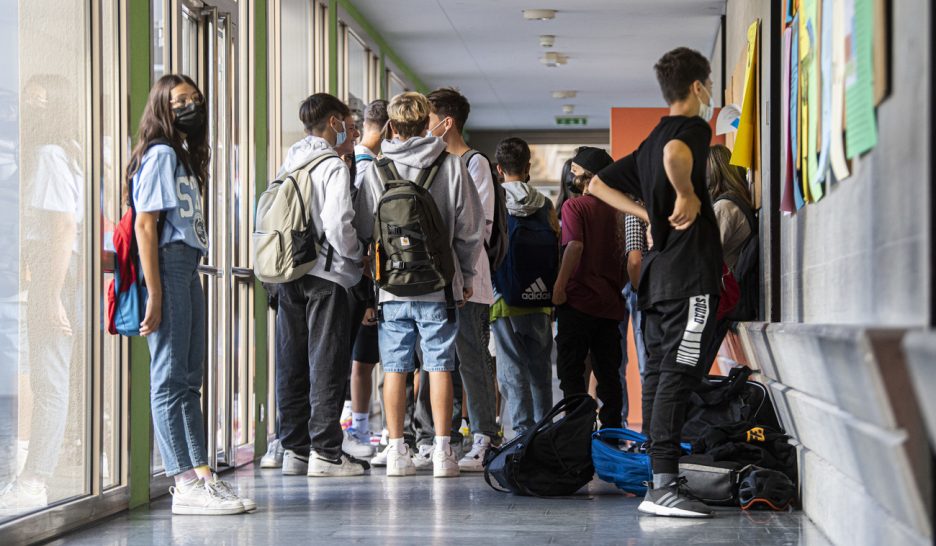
(126, 292)
(747, 269)
(497, 247)
(528, 273)
(286, 244)
(412, 247)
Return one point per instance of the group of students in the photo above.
(333, 324)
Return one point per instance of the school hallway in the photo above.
(423, 510)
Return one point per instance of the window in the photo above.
(357, 60)
(298, 74)
(45, 325)
(395, 85)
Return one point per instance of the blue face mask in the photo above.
(341, 136)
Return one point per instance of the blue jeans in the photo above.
(405, 321)
(630, 297)
(524, 367)
(177, 354)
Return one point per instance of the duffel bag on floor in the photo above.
(713, 482)
(628, 470)
(552, 458)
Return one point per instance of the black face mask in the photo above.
(570, 184)
(190, 119)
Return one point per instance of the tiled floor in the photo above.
(294, 511)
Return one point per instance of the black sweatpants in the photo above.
(578, 333)
(677, 335)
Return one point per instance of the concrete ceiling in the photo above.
(488, 51)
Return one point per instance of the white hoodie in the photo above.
(331, 209)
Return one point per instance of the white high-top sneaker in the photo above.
(322, 467)
(400, 464)
(274, 455)
(473, 461)
(203, 498)
(444, 464)
(357, 444)
(380, 459)
(423, 458)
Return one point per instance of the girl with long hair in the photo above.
(728, 187)
(166, 181)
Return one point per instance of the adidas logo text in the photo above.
(537, 291)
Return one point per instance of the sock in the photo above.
(662, 480)
(442, 443)
(186, 479)
(360, 421)
(397, 444)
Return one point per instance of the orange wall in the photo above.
(630, 126)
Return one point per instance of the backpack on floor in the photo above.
(527, 276)
(286, 244)
(497, 247)
(552, 458)
(126, 292)
(711, 481)
(412, 252)
(628, 469)
(747, 269)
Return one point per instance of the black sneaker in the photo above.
(674, 501)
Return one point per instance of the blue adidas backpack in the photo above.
(527, 275)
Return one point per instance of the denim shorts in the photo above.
(405, 322)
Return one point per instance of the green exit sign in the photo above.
(574, 121)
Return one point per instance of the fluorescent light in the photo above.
(570, 94)
(539, 14)
(547, 40)
(554, 58)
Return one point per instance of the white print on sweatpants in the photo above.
(690, 348)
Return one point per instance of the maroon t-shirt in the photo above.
(595, 286)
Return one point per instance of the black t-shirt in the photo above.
(685, 263)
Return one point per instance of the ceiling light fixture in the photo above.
(568, 108)
(554, 58)
(564, 94)
(547, 40)
(539, 14)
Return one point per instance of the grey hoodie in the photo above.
(454, 194)
(331, 208)
(522, 199)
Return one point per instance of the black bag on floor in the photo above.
(553, 458)
(713, 482)
(733, 401)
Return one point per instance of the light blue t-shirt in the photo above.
(163, 184)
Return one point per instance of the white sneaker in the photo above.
(321, 467)
(473, 461)
(380, 459)
(274, 455)
(444, 464)
(294, 464)
(423, 458)
(204, 499)
(354, 444)
(19, 497)
(231, 491)
(400, 464)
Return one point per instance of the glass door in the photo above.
(206, 46)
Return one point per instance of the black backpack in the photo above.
(747, 269)
(413, 253)
(497, 247)
(552, 458)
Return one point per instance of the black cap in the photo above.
(592, 159)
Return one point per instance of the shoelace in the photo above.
(219, 489)
(226, 488)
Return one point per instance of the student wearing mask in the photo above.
(587, 293)
(167, 179)
(313, 322)
(447, 121)
(407, 320)
(681, 279)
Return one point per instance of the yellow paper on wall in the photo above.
(743, 153)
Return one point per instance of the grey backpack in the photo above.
(285, 242)
(412, 248)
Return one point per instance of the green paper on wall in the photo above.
(861, 124)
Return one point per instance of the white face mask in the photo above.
(429, 132)
(705, 110)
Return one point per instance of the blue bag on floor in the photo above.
(626, 469)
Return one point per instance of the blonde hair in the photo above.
(409, 113)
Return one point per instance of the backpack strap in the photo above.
(387, 171)
(427, 176)
(745, 209)
(309, 167)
